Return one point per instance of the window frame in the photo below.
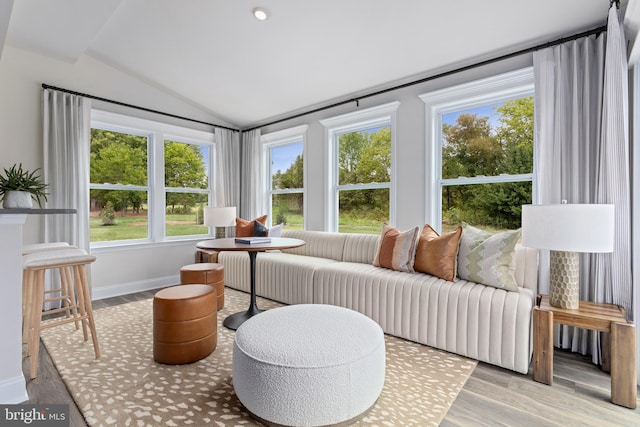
(294, 135)
(157, 133)
(500, 88)
(356, 121)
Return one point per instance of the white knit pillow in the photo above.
(488, 258)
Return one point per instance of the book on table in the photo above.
(253, 240)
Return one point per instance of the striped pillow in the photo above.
(396, 250)
(488, 258)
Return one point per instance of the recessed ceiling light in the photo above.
(260, 13)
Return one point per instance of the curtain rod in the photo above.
(123, 104)
(587, 33)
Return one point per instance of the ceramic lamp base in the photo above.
(221, 232)
(564, 291)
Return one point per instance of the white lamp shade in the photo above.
(220, 217)
(568, 227)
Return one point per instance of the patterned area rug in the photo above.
(126, 387)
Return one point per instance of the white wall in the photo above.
(21, 76)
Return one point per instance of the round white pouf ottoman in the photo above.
(308, 365)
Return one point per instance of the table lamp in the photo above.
(220, 218)
(567, 229)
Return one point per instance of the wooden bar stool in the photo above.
(73, 263)
(65, 291)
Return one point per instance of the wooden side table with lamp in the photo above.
(618, 343)
(564, 229)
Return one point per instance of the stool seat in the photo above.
(308, 364)
(56, 258)
(185, 323)
(40, 247)
(208, 273)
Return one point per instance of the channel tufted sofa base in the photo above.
(462, 317)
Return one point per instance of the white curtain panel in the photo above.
(251, 204)
(227, 170)
(66, 137)
(613, 183)
(568, 107)
(581, 156)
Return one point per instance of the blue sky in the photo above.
(485, 110)
(284, 156)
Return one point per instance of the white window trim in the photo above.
(355, 121)
(503, 87)
(276, 139)
(157, 133)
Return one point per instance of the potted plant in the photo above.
(18, 187)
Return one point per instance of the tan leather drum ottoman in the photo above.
(208, 273)
(185, 325)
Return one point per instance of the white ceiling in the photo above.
(308, 53)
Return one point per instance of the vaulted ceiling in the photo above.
(217, 55)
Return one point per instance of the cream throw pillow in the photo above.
(488, 258)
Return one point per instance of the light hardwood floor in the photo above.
(492, 396)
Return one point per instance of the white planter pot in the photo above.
(17, 199)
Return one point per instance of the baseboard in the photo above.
(103, 292)
(13, 390)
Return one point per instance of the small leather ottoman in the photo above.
(207, 273)
(185, 325)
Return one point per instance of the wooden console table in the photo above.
(618, 343)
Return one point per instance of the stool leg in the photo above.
(27, 303)
(65, 301)
(85, 305)
(70, 299)
(81, 302)
(36, 318)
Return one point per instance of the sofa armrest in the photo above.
(526, 273)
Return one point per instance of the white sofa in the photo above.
(473, 320)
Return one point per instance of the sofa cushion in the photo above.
(317, 243)
(481, 322)
(396, 249)
(360, 247)
(244, 228)
(279, 276)
(488, 258)
(436, 254)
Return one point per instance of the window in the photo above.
(148, 181)
(284, 156)
(361, 169)
(186, 183)
(480, 152)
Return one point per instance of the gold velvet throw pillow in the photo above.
(436, 254)
(244, 228)
(396, 250)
